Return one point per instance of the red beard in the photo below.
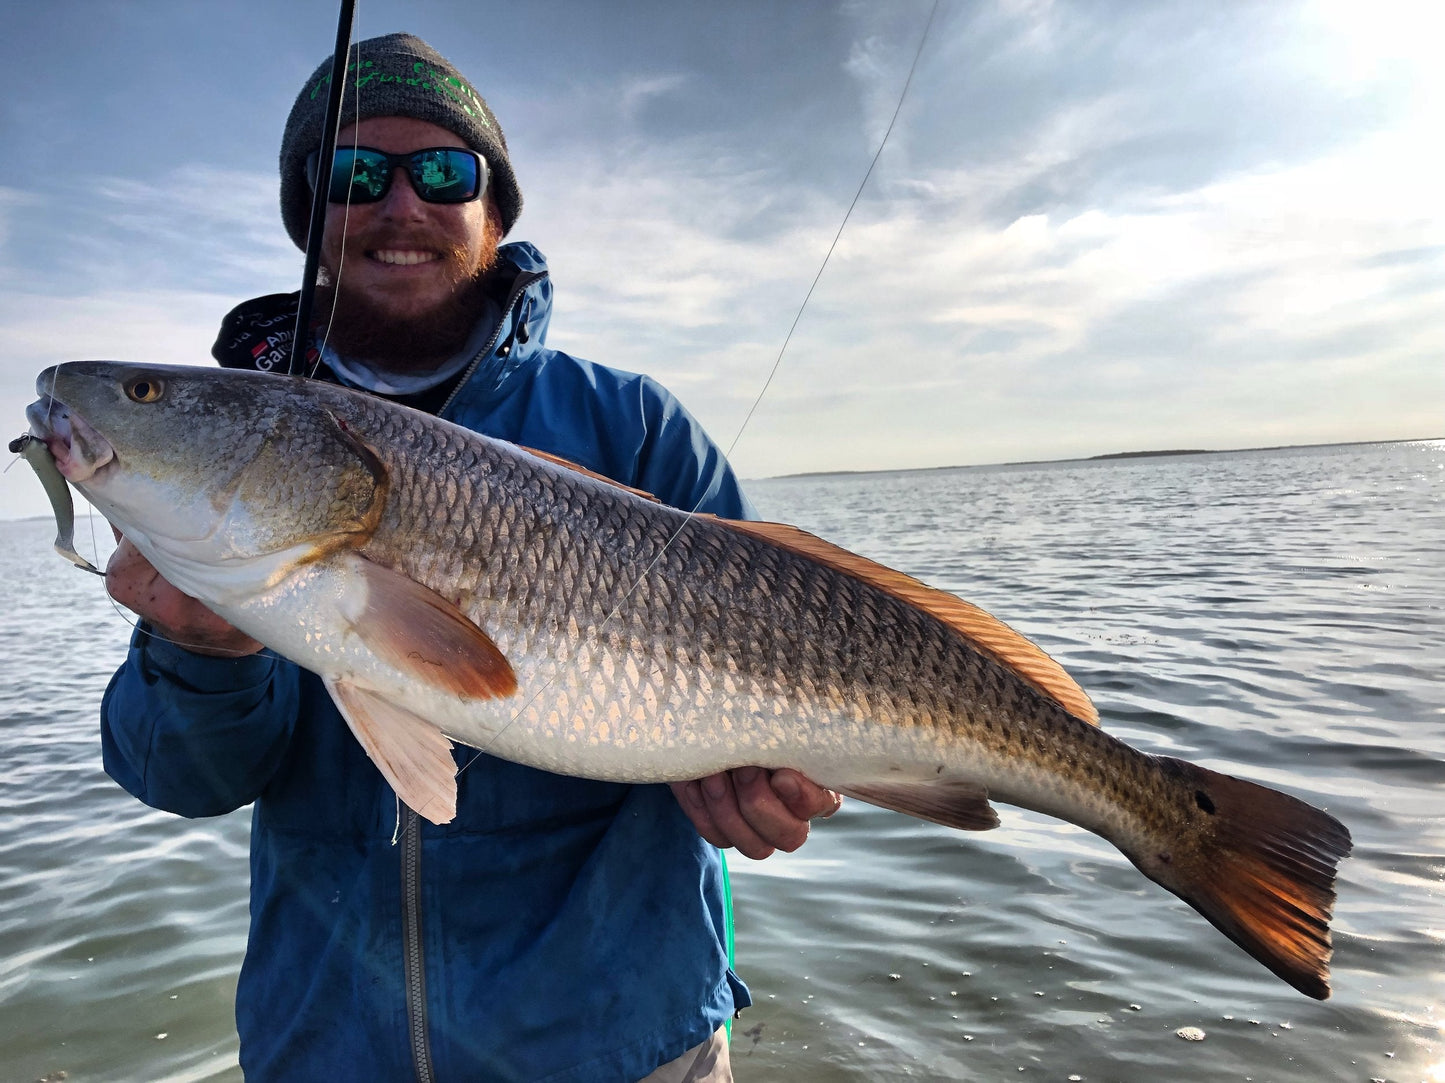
(351, 324)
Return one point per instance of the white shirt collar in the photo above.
(371, 377)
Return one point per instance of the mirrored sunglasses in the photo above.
(438, 174)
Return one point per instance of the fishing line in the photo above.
(836, 237)
(133, 623)
(94, 544)
(345, 219)
(200, 648)
(690, 514)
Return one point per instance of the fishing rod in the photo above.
(345, 22)
(339, 56)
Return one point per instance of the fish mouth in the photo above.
(78, 450)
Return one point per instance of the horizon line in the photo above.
(1110, 455)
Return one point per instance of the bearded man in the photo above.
(558, 928)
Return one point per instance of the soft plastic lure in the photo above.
(38, 456)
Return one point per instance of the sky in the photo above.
(1095, 227)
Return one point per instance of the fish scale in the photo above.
(442, 583)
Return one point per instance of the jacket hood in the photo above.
(526, 315)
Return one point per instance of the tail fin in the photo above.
(1261, 869)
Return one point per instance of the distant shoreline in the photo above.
(1098, 458)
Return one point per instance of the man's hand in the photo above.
(755, 810)
(133, 581)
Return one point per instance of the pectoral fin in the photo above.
(412, 754)
(425, 636)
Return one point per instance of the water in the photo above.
(1279, 615)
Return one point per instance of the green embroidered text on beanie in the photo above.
(397, 75)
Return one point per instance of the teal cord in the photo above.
(727, 886)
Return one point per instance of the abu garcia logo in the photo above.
(273, 350)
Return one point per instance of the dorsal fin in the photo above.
(988, 634)
(568, 464)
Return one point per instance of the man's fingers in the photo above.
(689, 796)
(754, 810)
(700, 808)
(765, 813)
(722, 805)
(804, 798)
(134, 582)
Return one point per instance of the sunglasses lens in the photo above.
(359, 176)
(439, 175)
(444, 175)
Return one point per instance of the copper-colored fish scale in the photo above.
(710, 597)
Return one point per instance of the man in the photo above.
(559, 928)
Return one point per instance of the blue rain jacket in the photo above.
(559, 928)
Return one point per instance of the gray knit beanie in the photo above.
(394, 76)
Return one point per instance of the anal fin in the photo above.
(413, 755)
(950, 802)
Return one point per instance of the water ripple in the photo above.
(1280, 616)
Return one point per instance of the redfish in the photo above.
(451, 587)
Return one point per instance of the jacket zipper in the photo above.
(413, 959)
(519, 287)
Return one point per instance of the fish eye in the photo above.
(144, 389)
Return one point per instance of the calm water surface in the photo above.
(1278, 615)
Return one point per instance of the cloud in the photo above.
(1241, 310)
(636, 93)
(199, 226)
(1090, 232)
(137, 271)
